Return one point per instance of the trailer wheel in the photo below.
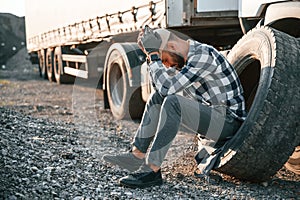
(49, 65)
(58, 64)
(42, 65)
(123, 99)
(267, 62)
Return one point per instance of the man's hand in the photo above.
(149, 41)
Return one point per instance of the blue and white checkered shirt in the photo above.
(207, 77)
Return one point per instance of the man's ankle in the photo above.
(137, 153)
(154, 167)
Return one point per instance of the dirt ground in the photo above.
(24, 91)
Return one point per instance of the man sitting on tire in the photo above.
(212, 103)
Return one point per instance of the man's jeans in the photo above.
(164, 115)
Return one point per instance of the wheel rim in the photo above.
(56, 61)
(57, 65)
(116, 85)
(49, 66)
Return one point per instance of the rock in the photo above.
(34, 169)
(265, 184)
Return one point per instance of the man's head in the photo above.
(172, 49)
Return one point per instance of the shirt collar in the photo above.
(191, 48)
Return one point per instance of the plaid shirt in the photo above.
(207, 77)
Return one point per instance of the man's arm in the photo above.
(198, 67)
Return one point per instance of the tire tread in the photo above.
(275, 132)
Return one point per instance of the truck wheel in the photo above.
(267, 62)
(42, 65)
(58, 64)
(121, 97)
(49, 65)
(293, 164)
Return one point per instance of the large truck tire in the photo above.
(124, 101)
(267, 62)
(58, 66)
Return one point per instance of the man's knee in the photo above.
(155, 98)
(171, 102)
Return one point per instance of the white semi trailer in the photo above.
(97, 39)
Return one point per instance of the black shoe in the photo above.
(144, 177)
(127, 161)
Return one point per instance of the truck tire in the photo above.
(49, 65)
(42, 65)
(123, 100)
(58, 64)
(267, 62)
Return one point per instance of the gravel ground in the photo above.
(52, 138)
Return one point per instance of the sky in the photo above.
(45, 15)
(16, 7)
